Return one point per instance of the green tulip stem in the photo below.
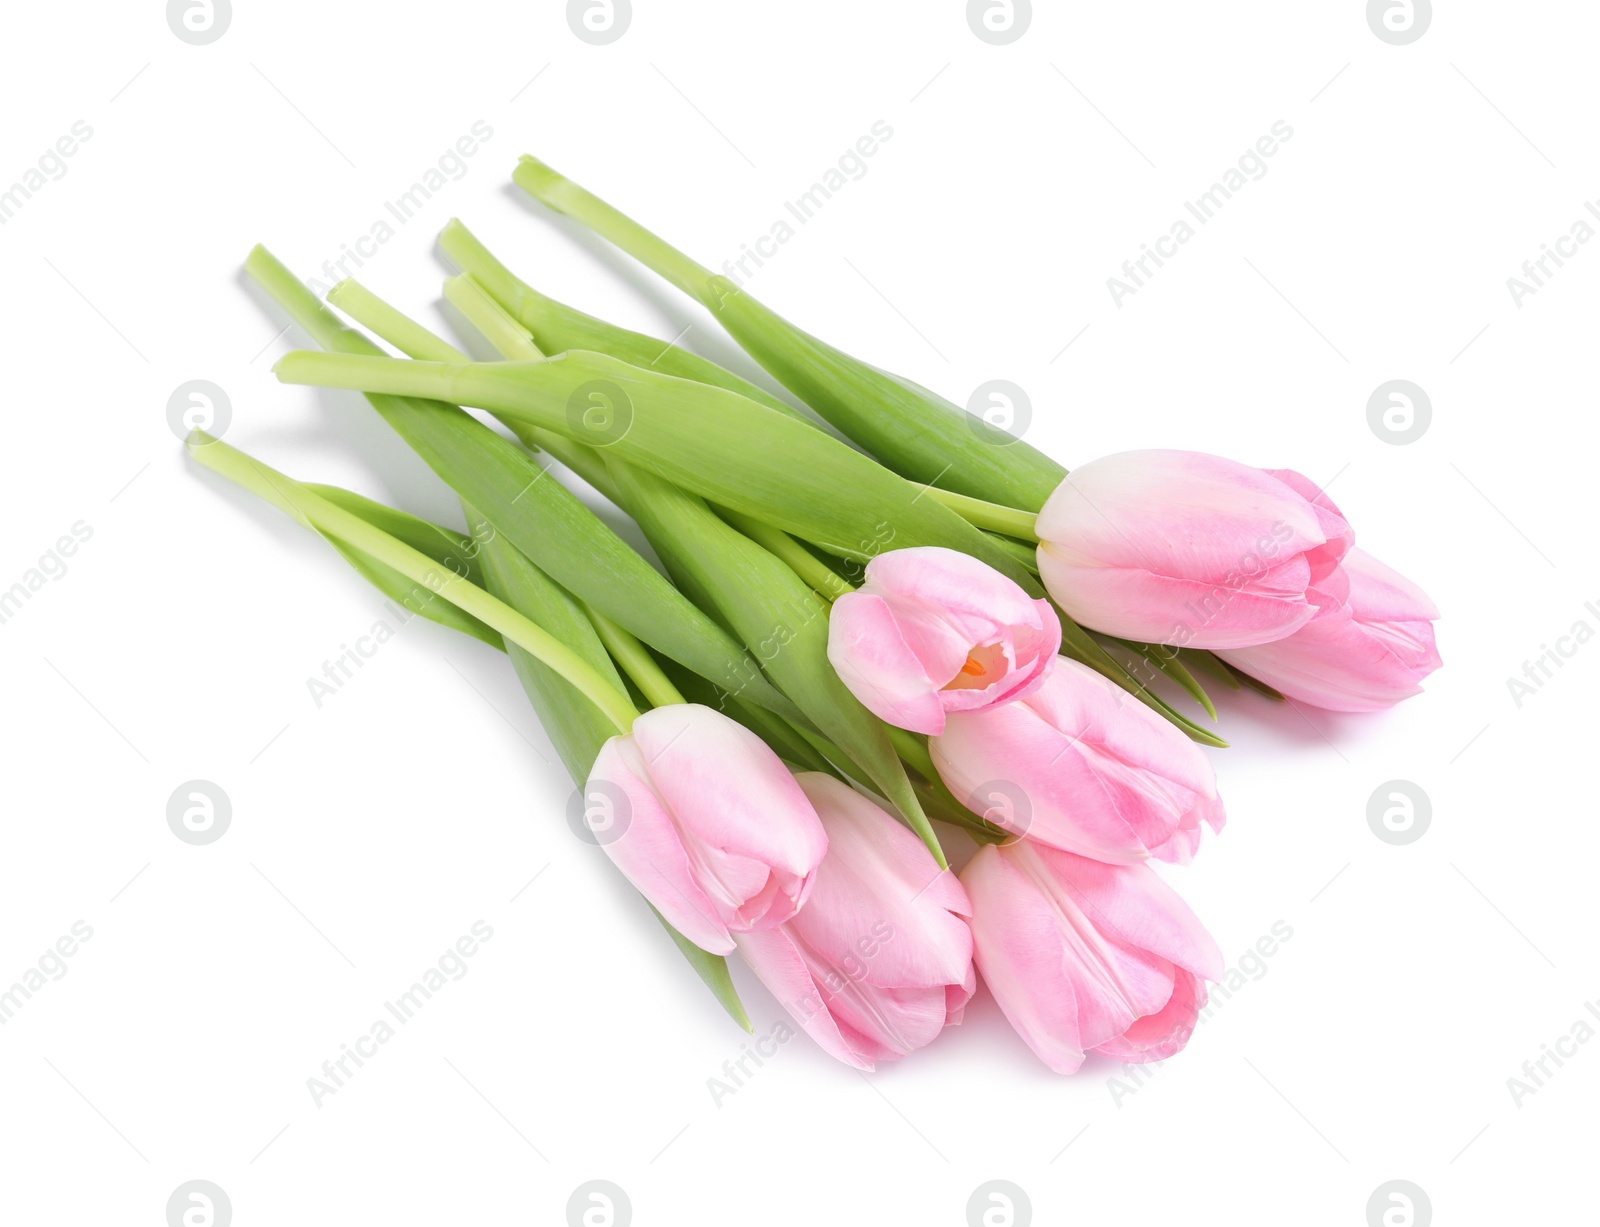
(635, 660)
(1009, 521)
(326, 517)
(558, 192)
(392, 325)
(509, 338)
(823, 579)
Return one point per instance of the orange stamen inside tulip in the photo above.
(983, 664)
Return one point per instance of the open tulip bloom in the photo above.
(934, 631)
(859, 641)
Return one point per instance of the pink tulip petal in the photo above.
(1155, 1037)
(777, 960)
(1083, 766)
(1379, 593)
(1338, 664)
(955, 583)
(709, 823)
(1179, 848)
(710, 770)
(1365, 653)
(880, 902)
(1017, 946)
(1149, 608)
(868, 649)
(1189, 549)
(1081, 955)
(956, 997)
(1179, 514)
(1134, 903)
(934, 630)
(650, 850)
(1340, 536)
(879, 960)
(885, 1023)
(1046, 791)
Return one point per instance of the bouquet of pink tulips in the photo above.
(878, 614)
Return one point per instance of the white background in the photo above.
(369, 834)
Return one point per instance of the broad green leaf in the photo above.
(575, 726)
(1255, 684)
(445, 547)
(916, 432)
(712, 442)
(1166, 660)
(539, 515)
(557, 327)
(1209, 664)
(713, 969)
(454, 550)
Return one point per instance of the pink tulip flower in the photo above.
(1188, 549)
(1083, 766)
(706, 821)
(1085, 957)
(933, 631)
(879, 960)
(1369, 645)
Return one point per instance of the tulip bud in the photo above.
(1188, 549)
(1369, 645)
(933, 631)
(1084, 767)
(1085, 957)
(879, 960)
(706, 822)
